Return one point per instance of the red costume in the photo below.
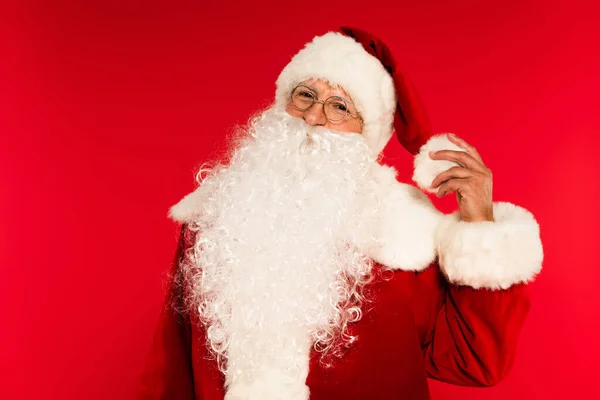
(447, 298)
(417, 326)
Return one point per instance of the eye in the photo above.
(306, 94)
(340, 106)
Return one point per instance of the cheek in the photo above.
(292, 111)
(350, 126)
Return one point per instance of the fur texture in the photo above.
(494, 255)
(402, 229)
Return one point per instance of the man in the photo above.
(305, 270)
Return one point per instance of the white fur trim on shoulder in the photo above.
(426, 169)
(494, 255)
(404, 225)
(187, 208)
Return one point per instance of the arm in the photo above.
(168, 373)
(487, 266)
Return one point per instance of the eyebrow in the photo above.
(316, 91)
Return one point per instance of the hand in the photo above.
(472, 181)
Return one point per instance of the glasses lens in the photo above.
(336, 109)
(303, 98)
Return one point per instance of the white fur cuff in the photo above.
(494, 255)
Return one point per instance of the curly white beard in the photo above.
(272, 271)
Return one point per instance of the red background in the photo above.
(108, 107)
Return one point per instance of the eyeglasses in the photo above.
(335, 108)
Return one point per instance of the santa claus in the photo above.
(306, 270)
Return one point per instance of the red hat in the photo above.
(411, 121)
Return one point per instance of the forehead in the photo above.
(324, 88)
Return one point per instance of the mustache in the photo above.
(322, 140)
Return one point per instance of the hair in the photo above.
(240, 264)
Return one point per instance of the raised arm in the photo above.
(487, 266)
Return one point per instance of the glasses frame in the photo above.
(317, 100)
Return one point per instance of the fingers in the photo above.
(470, 158)
(450, 186)
(454, 172)
(463, 144)
(471, 174)
(471, 184)
(460, 157)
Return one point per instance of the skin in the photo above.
(316, 117)
(471, 180)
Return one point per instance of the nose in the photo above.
(315, 115)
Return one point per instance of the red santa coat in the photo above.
(456, 320)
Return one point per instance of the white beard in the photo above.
(273, 270)
(285, 233)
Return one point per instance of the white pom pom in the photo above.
(427, 169)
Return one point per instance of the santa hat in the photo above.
(385, 97)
